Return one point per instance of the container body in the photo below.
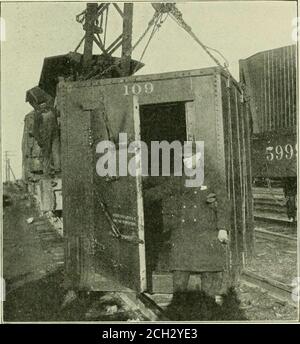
(104, 217)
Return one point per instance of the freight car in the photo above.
(207, 105)
(270, 81)
(106, 222)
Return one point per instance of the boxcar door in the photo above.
(103, 215)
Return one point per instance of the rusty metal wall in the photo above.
(270, 78)
(90, 245)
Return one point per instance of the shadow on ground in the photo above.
(197, 306)
(42, 300)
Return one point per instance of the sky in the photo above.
(34, 30)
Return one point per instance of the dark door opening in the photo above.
(159, 122)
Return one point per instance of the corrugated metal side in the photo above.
(270, 79)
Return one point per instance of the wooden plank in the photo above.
(127, 38)
(190, 120)
(140, 206)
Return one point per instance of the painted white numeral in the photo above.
(126, 90)
(137, 89)
(269, 153)
(280, 152)
(289, 151)
(149, 87)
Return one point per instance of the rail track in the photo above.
(278, 290)
(280, 234)
(270, 205)
(272, 236)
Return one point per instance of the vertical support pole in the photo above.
(127, 38)
(190, 120)
(91, 10)
(140, 206)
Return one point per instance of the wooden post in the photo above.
(91, 10)
(127, 39)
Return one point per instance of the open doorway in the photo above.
(159, 122)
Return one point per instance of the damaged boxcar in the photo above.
(208, 105)
(109, 234)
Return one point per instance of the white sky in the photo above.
(35, 30)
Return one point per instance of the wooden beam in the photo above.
(113, 44)
(119, 10)
(127, 39)
(91, 12)
(97, 40)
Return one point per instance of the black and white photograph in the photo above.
(149, 162)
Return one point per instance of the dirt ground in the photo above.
(259, 306)
(34, 274)
(31, 250)
(275, 260)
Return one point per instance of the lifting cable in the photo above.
(171, 10)
(158, 22)
(176, 15)
(188, 29)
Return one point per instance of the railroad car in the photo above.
(270, 81)
(207, 105)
